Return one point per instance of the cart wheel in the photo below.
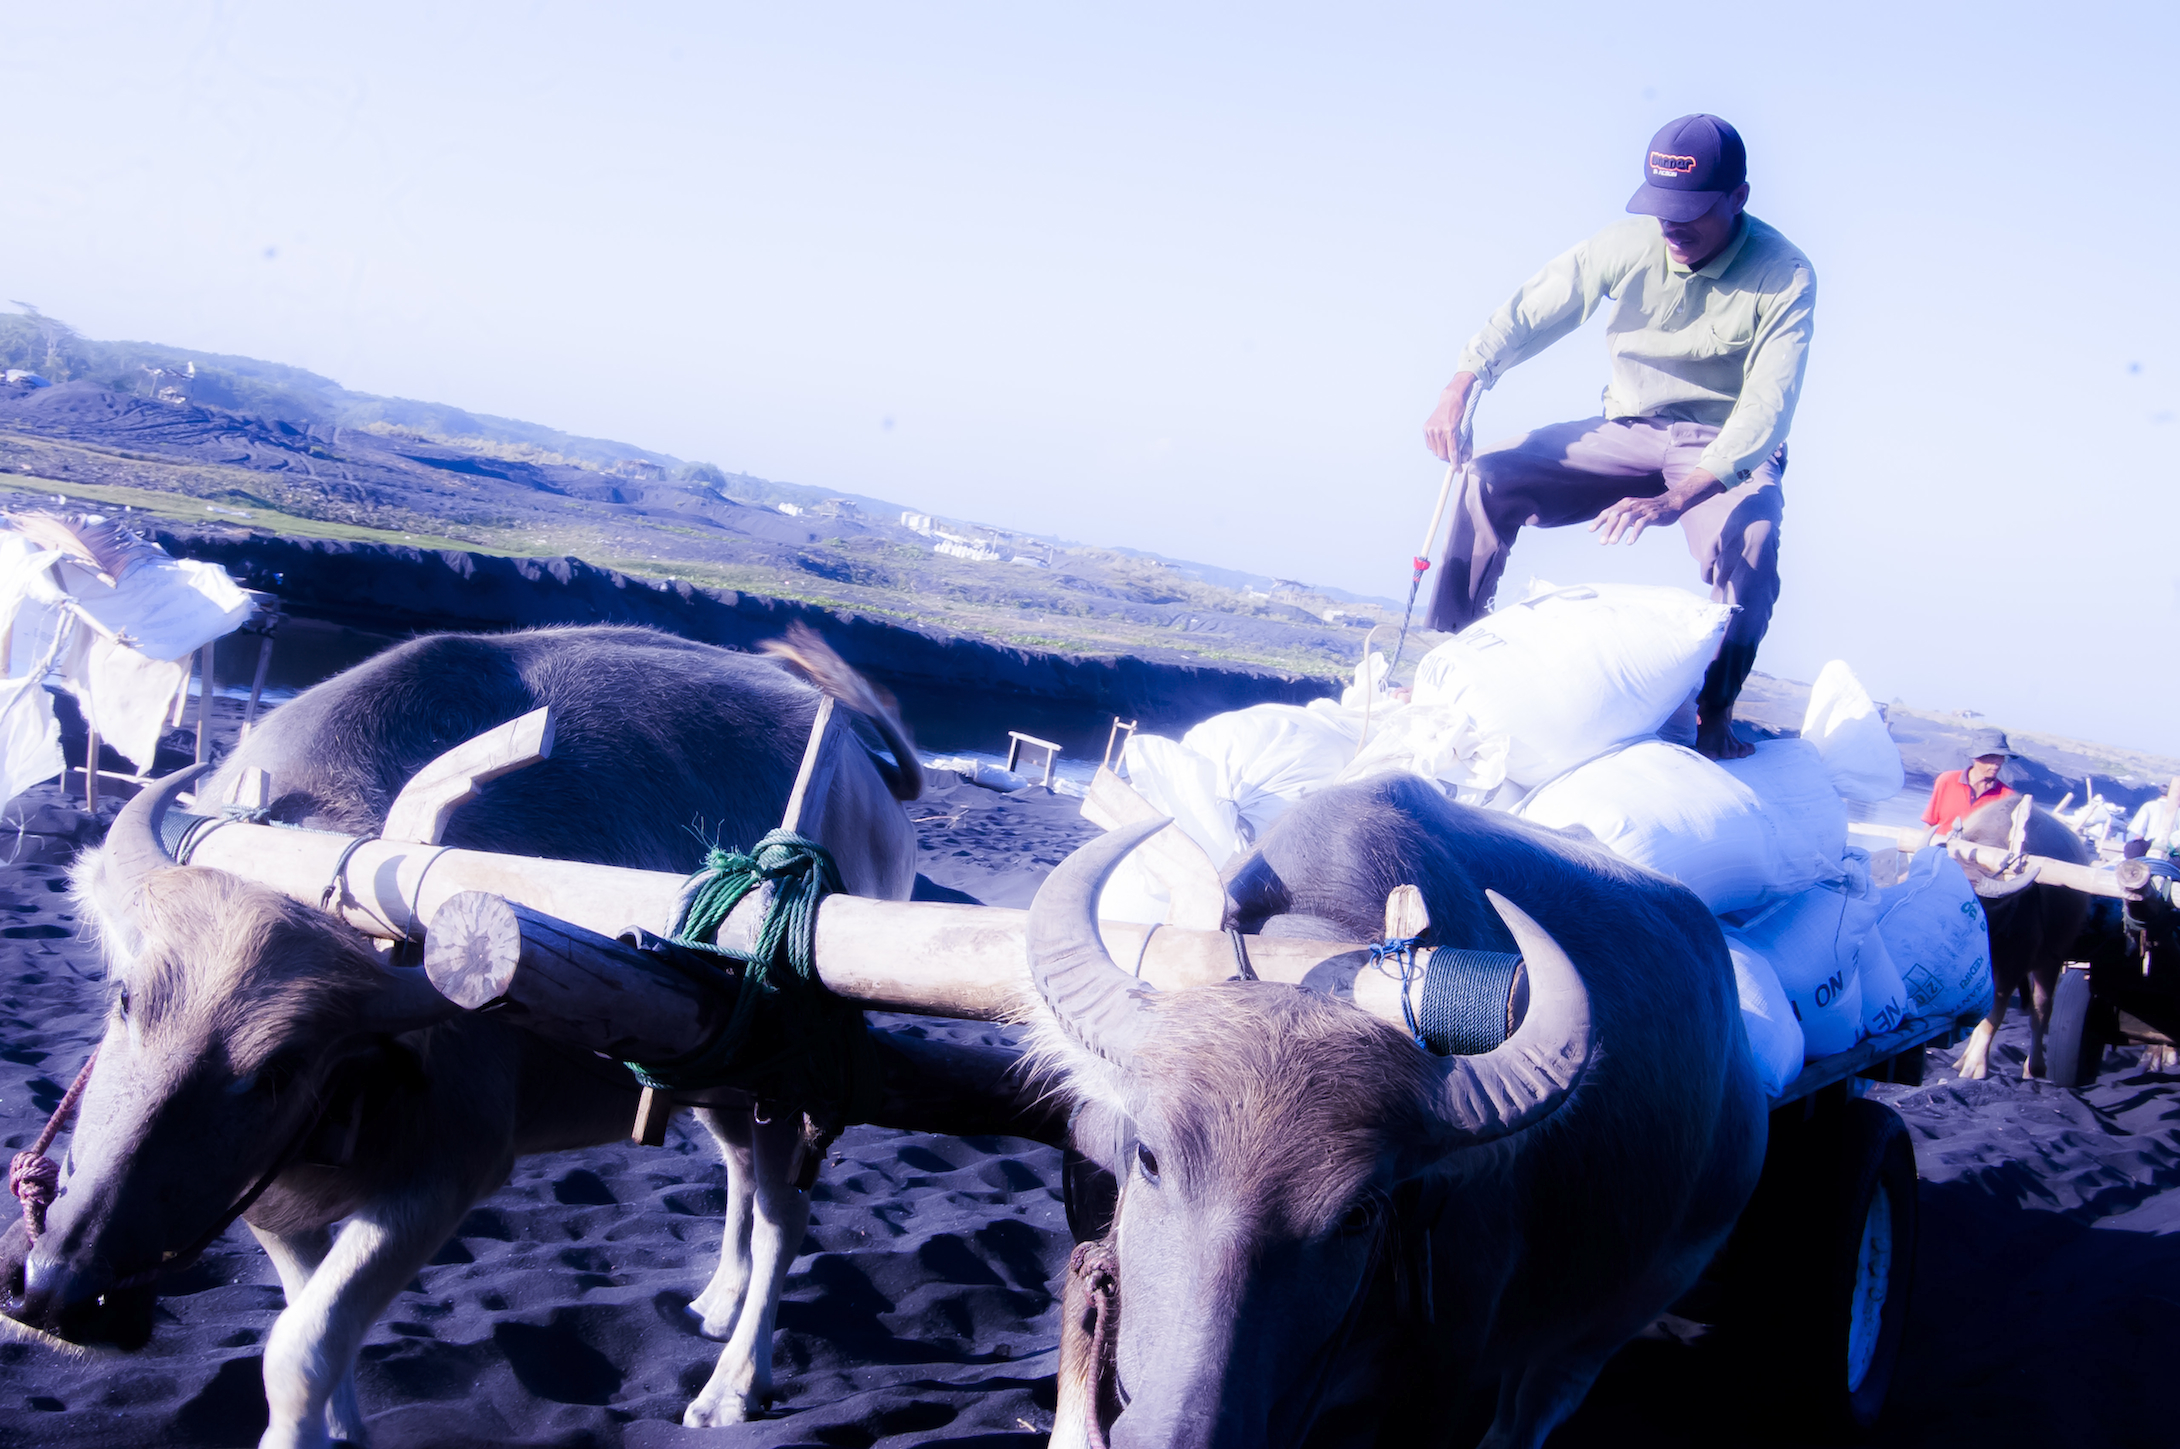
(2068, 1053)
(1831, 1260)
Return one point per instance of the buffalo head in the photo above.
(1269, 1143)
(234, 1016)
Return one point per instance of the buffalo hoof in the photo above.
(711, 1411)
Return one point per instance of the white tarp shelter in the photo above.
(114, 620)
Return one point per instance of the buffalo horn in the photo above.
(132, 845)
(1101, 1006)
(1527, 1077)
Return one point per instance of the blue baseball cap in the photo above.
(1691, 163)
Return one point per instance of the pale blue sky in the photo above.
(1186, 278)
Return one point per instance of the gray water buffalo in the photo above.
(1325, 1235)
(2032, 926)
(262, 1059)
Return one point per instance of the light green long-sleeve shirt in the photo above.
(1724, 345)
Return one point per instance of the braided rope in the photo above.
(789, 1039)
(35, 1178)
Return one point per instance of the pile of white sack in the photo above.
(1574, 709)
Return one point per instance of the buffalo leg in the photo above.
(742, 1381)
(2043, 980)
(295, 1257)
(721, 1301)
(312, 1347)
(1974, 1063)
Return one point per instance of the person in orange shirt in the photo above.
(1959, 792)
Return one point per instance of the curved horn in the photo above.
(1526, 1078)
(133, 843)
(1098, 1004)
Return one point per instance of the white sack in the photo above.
(1807, 817)
(1884, 997)
(1183, 785)
(1775, 1036)
(30, 738)
(1266, 757)
(1811, 940)
(1568, 673)
(1437, 742)
(1844, 724)
(1935, 934)
(1670, 810)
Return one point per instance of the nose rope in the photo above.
(35, 1178)
(1099, 1270)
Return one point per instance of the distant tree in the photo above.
(706, 473)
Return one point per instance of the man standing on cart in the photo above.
(1708, 342)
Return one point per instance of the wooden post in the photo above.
(257, 685)
(90, 767)
(204, 704)
(1405, 914)
(806, 781)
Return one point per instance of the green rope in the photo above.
(789, 1039)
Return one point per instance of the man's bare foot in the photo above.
(1716, 740)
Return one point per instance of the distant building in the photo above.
(836, 508)
(963, 548)
(25, 375)
(791, 510)
(922, 523)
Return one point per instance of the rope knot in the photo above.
(35, 1178)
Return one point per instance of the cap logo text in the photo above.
(1664, 165)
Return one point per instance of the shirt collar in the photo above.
(1715, 268)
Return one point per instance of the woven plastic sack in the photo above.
(1670, 810)
(1811, 940)
(1184, 785)
(1936, 936)
(1266, 757)
(1794, 791)
(1775, 1035)
(1568, 673)
(1844, 725)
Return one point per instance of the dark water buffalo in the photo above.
(1325, 1235)
(2032, 929)
(264, 1058)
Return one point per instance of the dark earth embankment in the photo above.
(349, 599)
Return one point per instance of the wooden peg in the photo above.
(1405, 914)
(653, 1111)
(806, 782)
(252, 789)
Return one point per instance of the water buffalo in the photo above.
(1325, 1235)
(263, 1059)
(2032, 928)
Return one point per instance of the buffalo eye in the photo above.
(1146, 1162)
(1360, 1217)
(121, 1000)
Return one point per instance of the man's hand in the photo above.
(1630, 516)
(1442, 429)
